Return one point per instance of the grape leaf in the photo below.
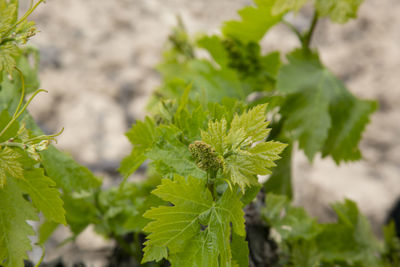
(305, 254)
(338, 10)
(280, 181)
(216, 49)
(12, 130)
(68, 174)
(44, 195)
(350, 239)
(256, 21)
(195, 231)
(10, 165)
(245, 154)
(282, 6)
(170, 156)
(12, 35)
(320, 112)
(350, 117)
(142, 136)
(14, 230)
(292, 223)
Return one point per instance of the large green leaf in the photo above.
(68, 174)
(15, 210)
(44, 195)
(195, 231)
(320, 112)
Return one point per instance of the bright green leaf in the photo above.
(44, 195)
(10, 165)
(68, 174)
(195, 230)
(282, 6)
(338, 10)
(15, 210)
(256, 21)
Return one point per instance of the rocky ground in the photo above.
(98, 61)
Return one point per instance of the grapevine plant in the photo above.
(217, 124)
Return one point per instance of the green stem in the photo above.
(306, 38)
(15, 117)
(46, 137)
(21, 100)
(294, 29)
(211, 176)
(22, 146)
(42, 257)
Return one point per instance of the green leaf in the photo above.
(245, 154)
(216, 135)
(253, 124)
(282, 6)
(209, 82)
(305, 254)
(240, 250)
(8, 53)
(10, 165)
(307, 119)
(256, 21)
(216, 49)
(12, 130)
(195, 231)
(44, 195)
(242, 166)
(338, 10)
(132, 162)
(349, 119)
(14, 230)
(320, 112)
(170, 156)
(292, 223)
(46, 229)
(280, 181)
(68, 174)
(350, 239)
(142, 133)
(8, 15)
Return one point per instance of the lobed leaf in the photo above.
(15, 210)
(256, 21)
(338, 10)
(320, 112)
(195, 230)
(45, 196)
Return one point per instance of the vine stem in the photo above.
(306, 39)
(14, 118)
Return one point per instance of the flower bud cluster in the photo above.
(205, 156)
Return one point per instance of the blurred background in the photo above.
(98, 59)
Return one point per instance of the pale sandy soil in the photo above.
(97, 64)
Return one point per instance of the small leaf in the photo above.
(338, 10)
(282, 6)
(256, 21)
